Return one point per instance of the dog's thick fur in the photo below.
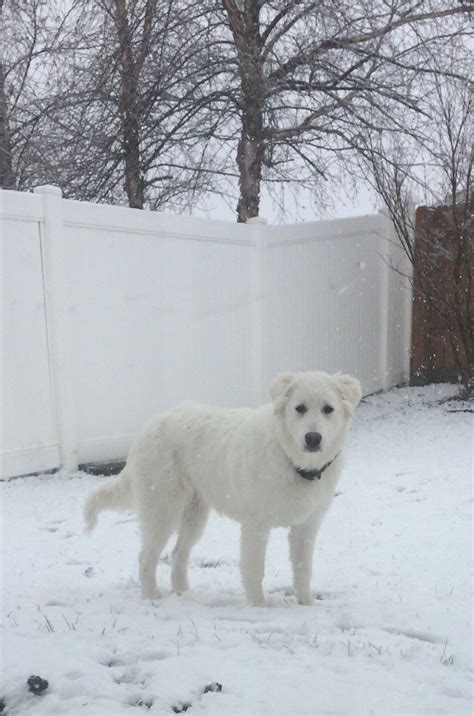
(243, 464)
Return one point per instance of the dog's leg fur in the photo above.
(253, 543)
(158, 518)
(302, 539)
(193, 521)
(154, 542)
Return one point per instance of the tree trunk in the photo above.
(249, 161)
(7, 178)
(134, 185)
(133, 179)
(245, 27)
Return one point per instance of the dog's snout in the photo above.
(313, 440)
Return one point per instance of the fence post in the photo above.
(404, 270)
(407, 288)
(259, 228)
(58, 323)
(385, 268)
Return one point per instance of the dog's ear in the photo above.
(280, 389)
(349, 390)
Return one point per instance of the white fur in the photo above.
(242, 464)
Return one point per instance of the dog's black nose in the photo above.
(313, 440)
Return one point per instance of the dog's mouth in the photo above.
(307, 448)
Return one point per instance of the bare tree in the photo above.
(309, 78)
(154, 76)
(7, 179)
(438, 241)
(6, 170)
(158, 104)
(106, 100)
(27, 42)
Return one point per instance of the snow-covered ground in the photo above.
(391, 632)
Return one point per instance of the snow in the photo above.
(391, 632)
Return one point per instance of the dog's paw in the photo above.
(306, 600)
(153, 594)
(180, 587)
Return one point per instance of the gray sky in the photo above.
(365, 203)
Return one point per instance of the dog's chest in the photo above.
(288, 499)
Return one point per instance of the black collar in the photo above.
(317, 472)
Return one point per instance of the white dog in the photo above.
(273, 466)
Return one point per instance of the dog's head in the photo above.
(312, 411)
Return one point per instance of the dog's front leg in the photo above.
(253, 545)
(302, 539)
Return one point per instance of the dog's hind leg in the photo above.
(157, 524)
(153, 545)
(193, 521)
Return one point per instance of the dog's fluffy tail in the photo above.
(114, 495)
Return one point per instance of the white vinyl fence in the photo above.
(111, 314)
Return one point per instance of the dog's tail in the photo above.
(114, 495)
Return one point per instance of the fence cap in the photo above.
(48, 189)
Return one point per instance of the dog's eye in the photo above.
(328, 409)
(302, 409)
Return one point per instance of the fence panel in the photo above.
(442, 261)
(330, 300)
(160, 312)
(28, 428)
